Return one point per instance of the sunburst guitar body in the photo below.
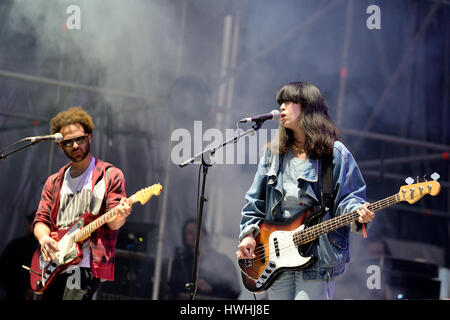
(280, 246)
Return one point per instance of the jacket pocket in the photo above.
(339, 239)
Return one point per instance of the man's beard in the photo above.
(79, 156)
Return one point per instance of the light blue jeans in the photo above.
(291, 286)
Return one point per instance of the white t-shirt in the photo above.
(295, 200)
(74, 201)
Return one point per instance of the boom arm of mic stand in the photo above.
(212, 151)
(3, 156)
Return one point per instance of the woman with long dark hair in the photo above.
(288, 185)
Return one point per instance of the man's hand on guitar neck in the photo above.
(123, 210)
(246, 249)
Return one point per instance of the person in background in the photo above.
(217, 276)
(14, 279)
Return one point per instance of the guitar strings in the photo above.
(332, 225)
(309, 234)
(285, 242)
(88, 229)
(313, 232)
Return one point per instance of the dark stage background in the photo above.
(145, 68)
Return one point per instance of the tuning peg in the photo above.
(435, 176)
(425, 177)
(409, 180)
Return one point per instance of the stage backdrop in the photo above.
(156, 75)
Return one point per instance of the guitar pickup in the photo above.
(277, 249)
(262, 255)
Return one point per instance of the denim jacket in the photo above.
(263, 202)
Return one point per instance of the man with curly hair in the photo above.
(86, 184)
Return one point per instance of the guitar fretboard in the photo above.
(315, 231)
(142, 196)
(85, 231)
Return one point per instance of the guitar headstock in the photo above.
(414, 192)
(145, 194)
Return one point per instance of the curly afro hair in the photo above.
(71, 116)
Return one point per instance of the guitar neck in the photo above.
(315, 231)
(141, 196)
(86, 231)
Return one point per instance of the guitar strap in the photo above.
(327, 184)
(327, 197)
(316, 214)
(98, 193)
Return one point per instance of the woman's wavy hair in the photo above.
(315, 120)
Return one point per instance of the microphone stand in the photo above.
(3, 156)
(206, 163)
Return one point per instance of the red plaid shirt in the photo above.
(103, 240)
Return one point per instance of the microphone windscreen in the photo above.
(58, 137)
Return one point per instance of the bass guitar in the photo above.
(43, 273)
(278, 245)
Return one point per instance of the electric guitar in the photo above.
(43, 273)
(279, 245)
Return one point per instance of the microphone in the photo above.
(272, 115)
(57, 137)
